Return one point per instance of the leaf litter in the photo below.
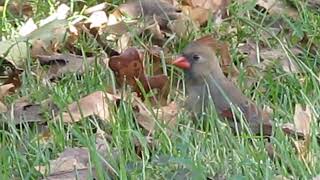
(48, 40)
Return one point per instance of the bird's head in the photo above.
(199, 59)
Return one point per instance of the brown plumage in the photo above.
(205, 78)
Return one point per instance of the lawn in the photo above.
(262, 44)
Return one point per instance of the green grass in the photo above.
(197, 153)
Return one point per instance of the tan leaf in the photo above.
(23, 111)
(278, 7)
(97, 19)
(302, 120)
(318, 176)
(197, 14)
(268, 56)
(28, 27)
(275, 7)
(183, 26)
(16, 50)
(74, 163)
(98, 7)
(96, 103)
(61, 13)
(148, 118)
(149, 10)
(5, 90)
(65, 63)
(208, 4)
(39, 48)
(3, 108)
(18, 7)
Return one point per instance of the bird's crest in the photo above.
(209, 41)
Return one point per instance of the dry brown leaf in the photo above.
(214, 5)
(17, 7)
(65, 63)
(5, 90)
(183, 26)
(16, 50)
(269, 56)
(118, 28)
(289, 65)
(217, 9)
(302, 123)
(39, 48)
(97, 19)
(149, 10)
(278, 7)
(98, 7)
(3, 108)
(61, 13)
(197, 14)
(302, 120)
(275, 7)
(23, 111)
(147, 118)
(28, 27)
(96, 103)
(74, 163)
(129, 70)
(318, 176)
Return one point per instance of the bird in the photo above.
(205, 82)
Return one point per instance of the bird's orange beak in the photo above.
(182, 63)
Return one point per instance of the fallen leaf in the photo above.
(16, 51)
(5, 90)
(97, 19)
(16, 7)
(289, 65)
(14, 79)
(184, 25)
(28, 27)
(61, 13)
(118, 28)
(148, 118)
(54, 31)
(96, 103)
(316, 177)
(155, 31)
(23, 111)
(269, 56)
(3, 108)
(40, 48)
(197, 14)
(275, 7)
(208, 4)
(129, 70)
(303, 119)
(201, 10)
(98, 7)
(79, 174)
(149, 10)
(74, 163)
(65, 63)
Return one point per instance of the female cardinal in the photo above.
(205, 80)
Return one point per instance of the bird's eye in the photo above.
(195, 57)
